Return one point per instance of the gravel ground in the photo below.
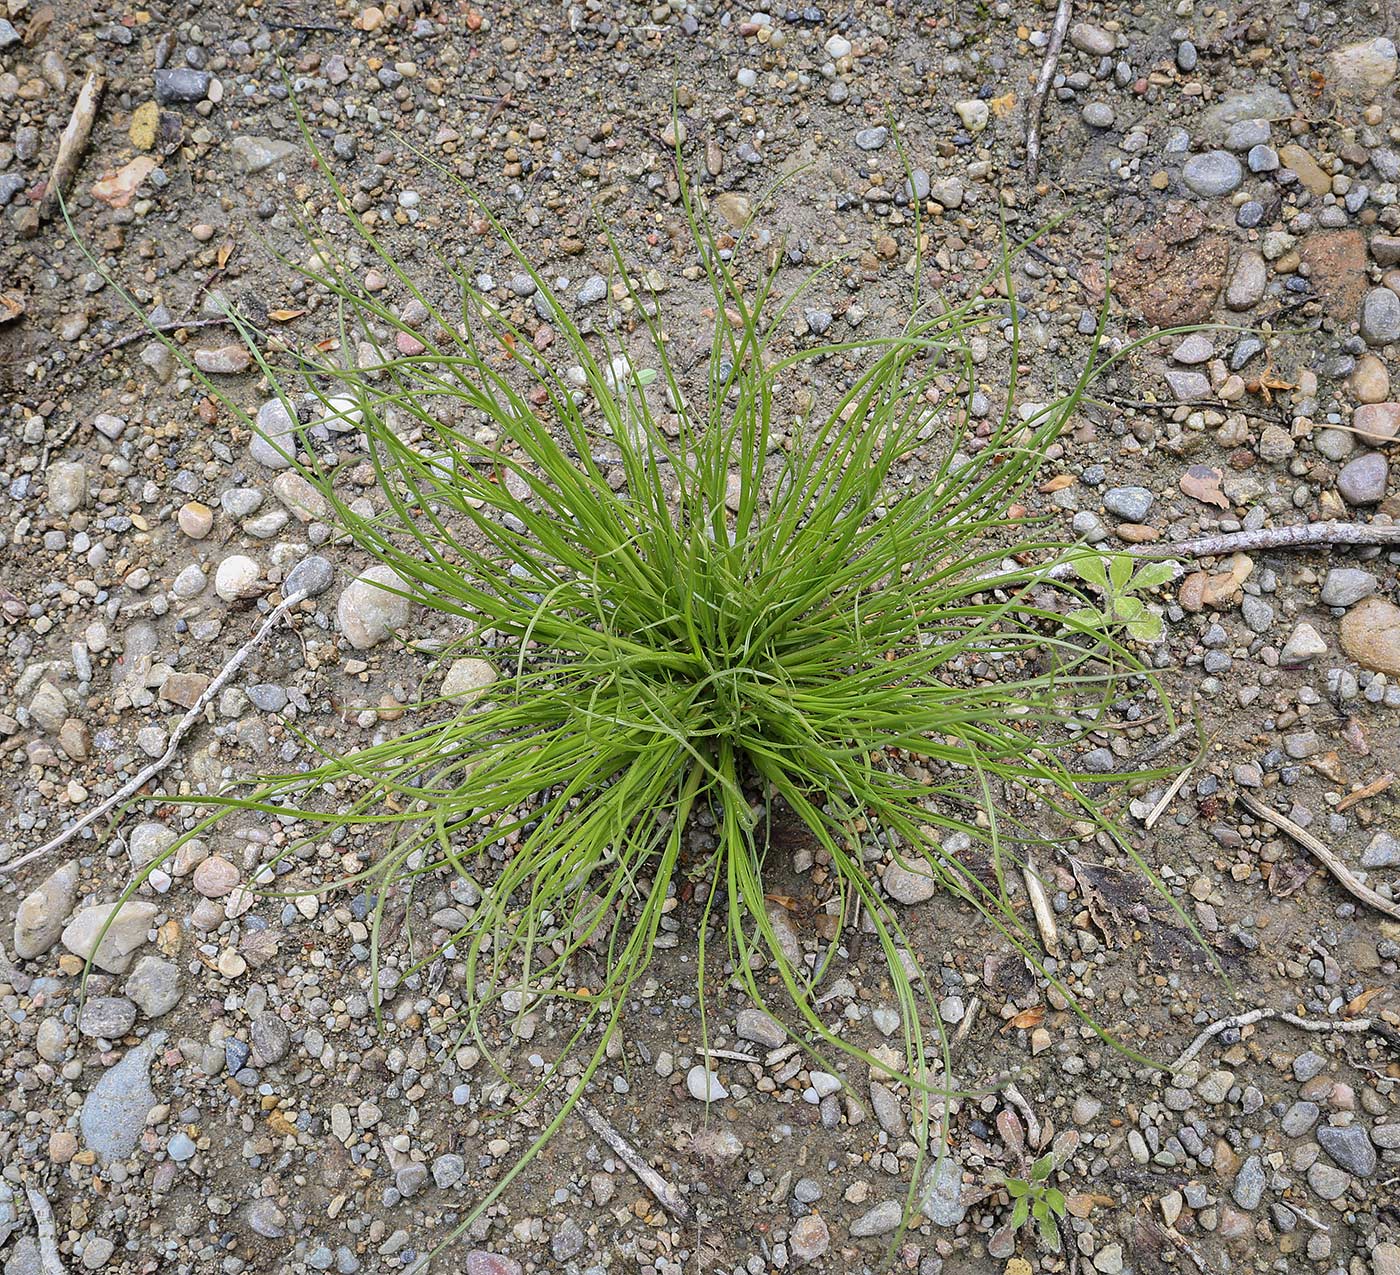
(224, 1100)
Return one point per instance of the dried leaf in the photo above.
(1009, 1126)
(284, 316)
(1358, 1003)
(1032, 1017)
(11, 306)
(1081, 1203)
(1003, 106)
(1058, 483)
(225, 252)
(1202, 482)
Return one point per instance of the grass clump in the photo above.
(705, 609)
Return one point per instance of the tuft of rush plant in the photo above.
(706, 604)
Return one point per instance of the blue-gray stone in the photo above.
(114, 1112)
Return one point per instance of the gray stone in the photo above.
(449, 1169)
(1212, 174)
(274, 441)
(181, 84)
(369, 613)
(1349, 1147)
(1299, 1118)
(39, 918)
(1262, 159)
(1097, 115)
(594, 289)
(1383, 852)
(1246, 286)
(312, 575)
(703, 1085)
(880, 1220)
(756, 1026)
(1327, 1182)
(127, 931)
(1187, 387)
(108, 1017)
(872, 139)
(1197, 347)
(271, 1039)
(48, 708)
(1305, 644)
(809, 1238)
(1088, 38)
(67, 485)
(1363, 481)
(253, 154)
(114, 1112)
(1243, 135)
(266, 1219)
(180, 1147)
(148, 841)
(1130, 503)
(941, 1198)
(1248, 1186)
(1362, 69)
(1380, 317)
(948, 191)
(1308, 1065)
(154, 986)
(410, 1179)
(889, 1113)
(480, 1262)
(568, 1241)
(1345, 585)
(909, 882)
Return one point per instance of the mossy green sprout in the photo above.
(702, 600)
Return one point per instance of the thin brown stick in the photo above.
(1260, 1015)
(174, 325)
(73, 142)
(1321, 853)
(1042, 86)
(1299, 536)
(49, 1258)
(1373, 789)
(1168, 795)
(666, 1195)
(182, 728)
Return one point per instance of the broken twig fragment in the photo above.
(73, 143)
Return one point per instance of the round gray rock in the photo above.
(1212, 174)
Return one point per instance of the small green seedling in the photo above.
(1035, 1198)
(1114, 578)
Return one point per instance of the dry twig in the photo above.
(1018, 1100)
(73, 142)
(1296, 537)
(1040, 906)
(1373, 789)
(666, 1195)
(1042, 86)
(182, 728)
(49, 1258)
(1259, 1015)
(1321, 853)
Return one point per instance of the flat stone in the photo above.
(1362, 481)
(67, 486)
(271, 1039)
(760, 1028)
(113, 1114)
(1305, 644)
(237, 576)
(872, 139)
(1369, 381)
(126, 933)
(1261, 102)
(809, 1238)
(1196, 348)
(181, 84)
(1344, 586)
(223, 360)
(1309, 173)
(1349, 1146)
(480, 1262)
(1187, 387)
(254, 154)
(881, 1220)
(467, 681)
(368, 612)
(40, 916)
(1383, 852)
(940, 1200)
(909, 882)
(1377, 423)
(1327, 1182)
(215, 877)
(1246, 286)
(1088, 38)
(1130, 503)
(153, 986)
(1362, 69)
(107, 1017)
(1380, 317)
(448, 1170)
(1212, 174)
(1248, 1187)
(312, 575)
(274, 441)
(1299, 1118)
